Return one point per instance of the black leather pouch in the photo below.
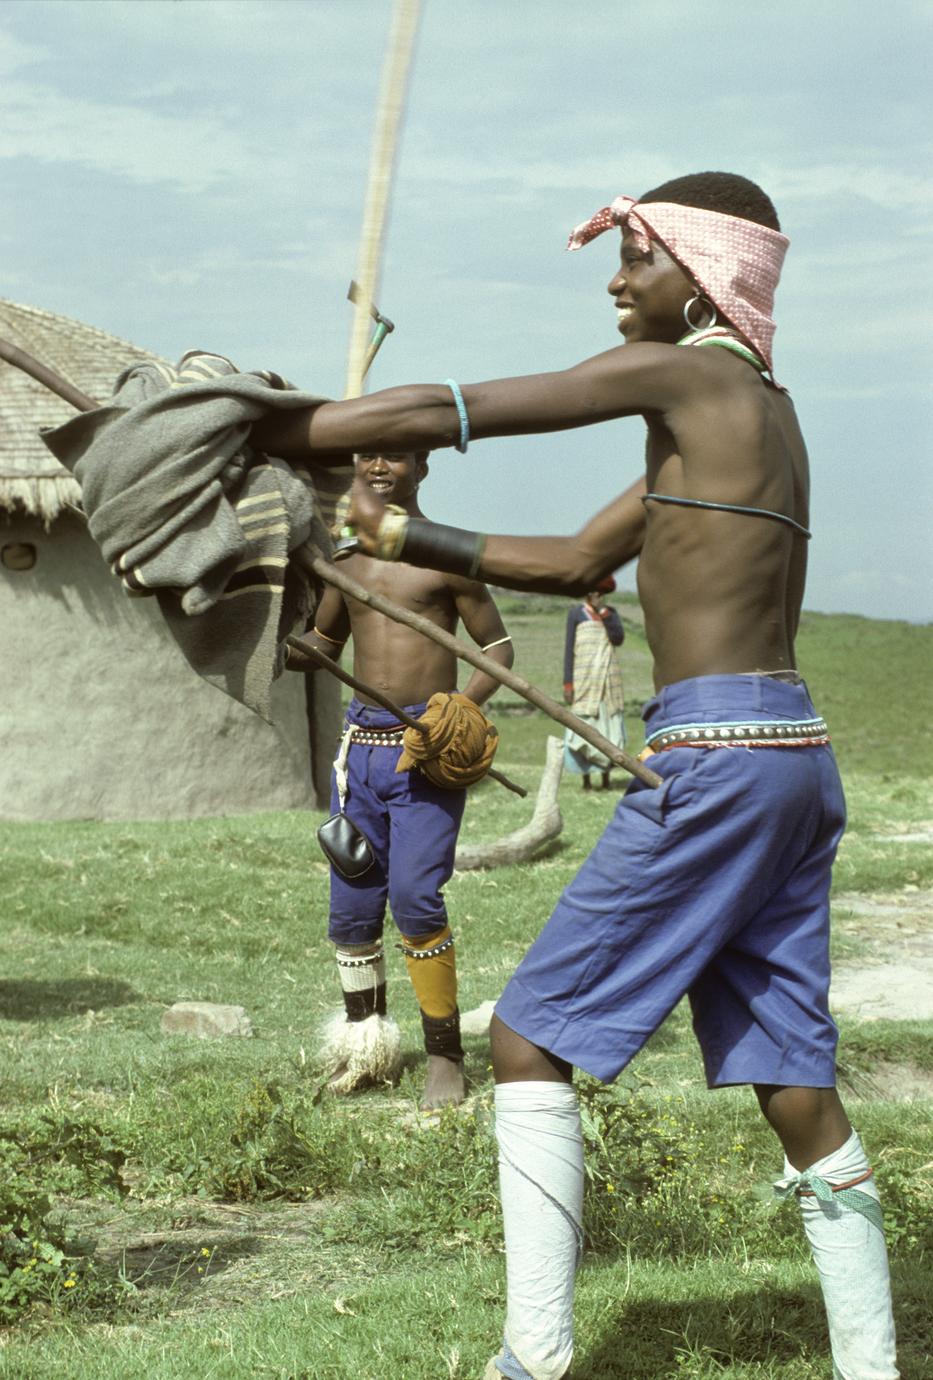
(345, 846)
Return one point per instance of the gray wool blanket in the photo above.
(183, 509)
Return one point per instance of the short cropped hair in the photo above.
(727, 193)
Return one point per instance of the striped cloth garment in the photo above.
(592, 663)
(184, 510)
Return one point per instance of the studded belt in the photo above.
(760, 733)
(377, 737)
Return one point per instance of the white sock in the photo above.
(852, 1262)
(541, 1185)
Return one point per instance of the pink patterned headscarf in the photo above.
(736, 262)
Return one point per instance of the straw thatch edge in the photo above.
(44, 496)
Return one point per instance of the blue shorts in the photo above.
(715, 884)
(412, 826)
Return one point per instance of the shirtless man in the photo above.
(411, 823)
(716, 883)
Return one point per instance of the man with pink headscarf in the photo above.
(715, 884)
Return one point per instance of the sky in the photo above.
(191, 173)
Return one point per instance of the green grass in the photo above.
(754, 1321)
(222, 1216)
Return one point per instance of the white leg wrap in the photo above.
(358, 1053)
(361, 970)
(852, 1262)
(541, 1185)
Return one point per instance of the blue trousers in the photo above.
(715, 885)
(412, 826)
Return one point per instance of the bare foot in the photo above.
(444, 1086)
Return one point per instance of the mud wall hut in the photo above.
(100, 715)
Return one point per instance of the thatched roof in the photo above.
(30, 476)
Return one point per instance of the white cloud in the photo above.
(225, 264)
(167, 73)
(142, 146)
(887, 187)
(256, 29)
(14, 54)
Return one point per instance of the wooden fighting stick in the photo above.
(46, 376)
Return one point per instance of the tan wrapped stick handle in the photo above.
(310, 560)
(323, 660)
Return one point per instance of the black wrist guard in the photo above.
(437, 547)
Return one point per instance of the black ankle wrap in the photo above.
(442, 1036)
(371, 1002)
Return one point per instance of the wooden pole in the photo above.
(378, 192)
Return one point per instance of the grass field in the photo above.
(206, 1209)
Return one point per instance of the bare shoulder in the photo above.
(460, 585)
(649, 358)
(663, 376)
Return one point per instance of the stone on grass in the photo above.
(205, 1020)
(476, 1022)
(900, 991)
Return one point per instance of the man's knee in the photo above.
(810, 1122)
(784, 1104)
(352, 931)
(517, 1060)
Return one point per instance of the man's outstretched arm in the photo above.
(549, 565)
(626, 381)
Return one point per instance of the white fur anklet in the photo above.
(356, 1054)
(541, 1185)
(842, 1219)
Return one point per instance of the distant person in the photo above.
(593, 680)
(410, 822)
(714, 884)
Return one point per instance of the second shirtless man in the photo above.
(411, 823)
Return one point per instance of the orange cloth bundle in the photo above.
(458, 747)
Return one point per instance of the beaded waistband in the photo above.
(760, 733)
(377, 737)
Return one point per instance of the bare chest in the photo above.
(424, 592)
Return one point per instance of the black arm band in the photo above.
(437, 547)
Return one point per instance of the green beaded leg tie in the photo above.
(808, 1183)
